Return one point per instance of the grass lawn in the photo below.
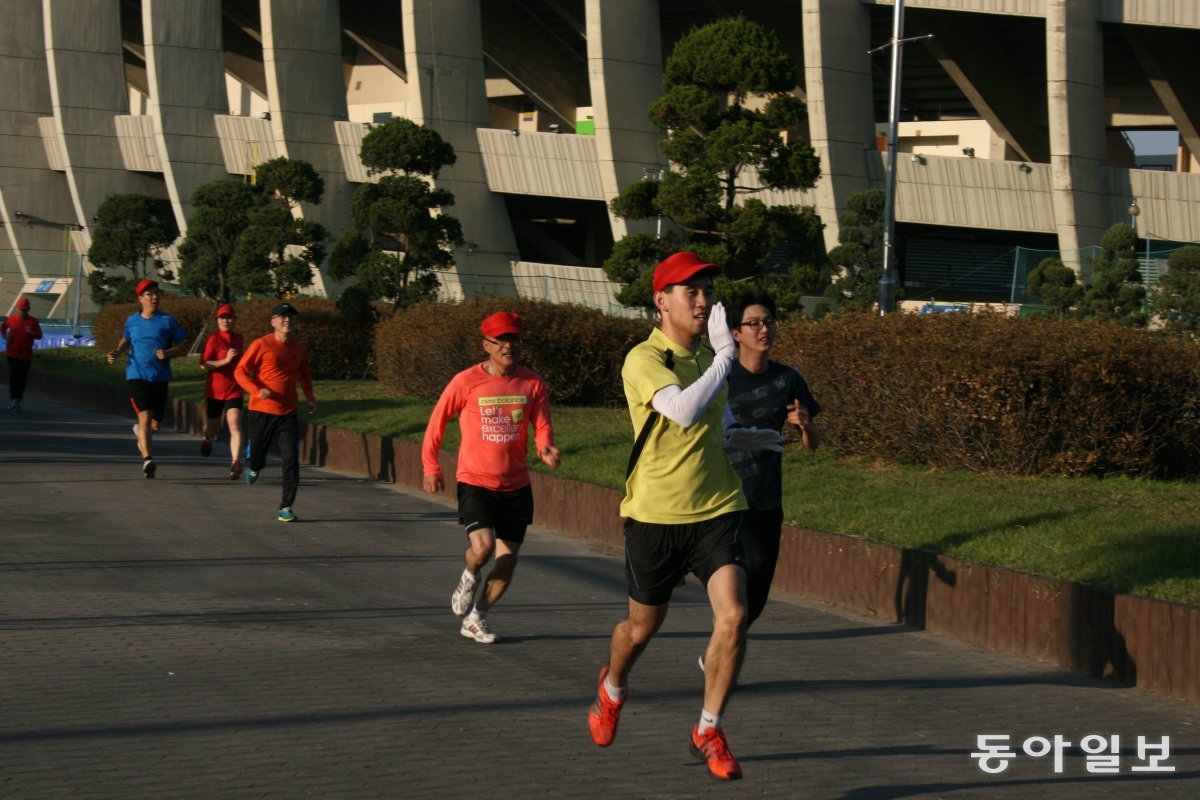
(1132, 535)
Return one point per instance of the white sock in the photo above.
(708, 720)
(468, 575)
(615, 693)
(476, 612)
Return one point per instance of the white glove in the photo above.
(718, 330)
(754, 439)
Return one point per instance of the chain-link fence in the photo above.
(1152, 264)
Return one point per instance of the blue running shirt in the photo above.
(145, 336)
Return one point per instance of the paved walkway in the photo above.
(170, 639)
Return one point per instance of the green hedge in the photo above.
(578, 351)
(1003, 395)
(339, 350)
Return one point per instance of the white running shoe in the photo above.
(476, 627)
(464, 596)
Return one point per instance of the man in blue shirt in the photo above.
(152, 338)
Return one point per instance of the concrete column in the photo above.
(1075, 96)
(87, 89)
(444, 61)
(27, 184)
(186, 76)
(625, 69)
(837, 80)
(306, 89)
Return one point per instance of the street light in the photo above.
(1134, 212)
(887, 283)
(655, 174)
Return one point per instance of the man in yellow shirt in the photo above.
(683, 501)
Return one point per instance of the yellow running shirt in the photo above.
(683, 474)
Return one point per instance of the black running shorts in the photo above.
(657, 556)
(506, 513)
(217, 408)
(149, 396)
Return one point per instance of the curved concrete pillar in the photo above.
(625, 69)
(444, 61)
(186, 76)
(87, 90)
(302, 57)
(27, 184)
(1075, 96)
(837, 80)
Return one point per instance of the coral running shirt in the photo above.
(494, 414)
(220, 384)
(271, 364)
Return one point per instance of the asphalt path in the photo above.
(169, 638)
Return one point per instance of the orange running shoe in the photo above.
(711, 746)
(604, 715)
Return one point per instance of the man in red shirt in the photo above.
(222, 394)
(19, 332)
(495, 402)
(269, 371)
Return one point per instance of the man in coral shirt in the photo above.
(19, 332)
(495, 402)
(269, 371)
(222, 394)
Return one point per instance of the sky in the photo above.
(1154, 143)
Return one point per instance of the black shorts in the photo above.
(506, 513)
(217, 408)
(149, 396)
(657, 556)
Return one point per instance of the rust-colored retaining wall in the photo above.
(1140, 642)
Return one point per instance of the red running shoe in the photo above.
(205, 446)
(711, 746)
(604, 714)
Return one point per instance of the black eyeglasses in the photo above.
(514, 341)
(758, 324)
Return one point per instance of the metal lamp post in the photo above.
(887, 283)
(1134, 211)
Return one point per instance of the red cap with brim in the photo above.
(23, 304)
(501, 323)
(143, 285)
(226, 311)
(679, 268)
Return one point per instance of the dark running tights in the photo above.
(761, 531)
(18, 374)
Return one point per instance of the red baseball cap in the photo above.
(226, 310)
(678, 268)
(23, 304)
(143, 285)
(500, 323)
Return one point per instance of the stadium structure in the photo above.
(1016, 121)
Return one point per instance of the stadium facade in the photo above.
(1016, 117)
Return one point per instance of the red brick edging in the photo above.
(1137, 641)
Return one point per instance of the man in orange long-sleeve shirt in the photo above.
(268, 372)
(496, 402)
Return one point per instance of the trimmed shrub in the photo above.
(1003, 395)
(338, 350)
(191, 312)
(578, 351)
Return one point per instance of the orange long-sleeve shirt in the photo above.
(274, 365)
(494, 414)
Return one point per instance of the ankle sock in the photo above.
(615, 693)
(708, 720)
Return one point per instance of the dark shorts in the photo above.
(657, 556)
(217, 408)
(149, 396)
(506, 513)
